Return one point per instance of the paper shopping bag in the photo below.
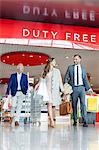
(92, 104)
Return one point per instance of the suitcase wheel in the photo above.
(94, 123)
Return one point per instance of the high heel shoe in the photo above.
(51, 123)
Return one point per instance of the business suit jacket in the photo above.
(13, 84)
(69, 77)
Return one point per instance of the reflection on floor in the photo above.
(29, 137)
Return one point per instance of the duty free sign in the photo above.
(44, 34)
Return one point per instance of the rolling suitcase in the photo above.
(91, 118)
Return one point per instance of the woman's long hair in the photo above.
(47, 67)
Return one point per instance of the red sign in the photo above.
(53, 35)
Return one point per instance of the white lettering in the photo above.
(53, 34)
(67, 14)
(93, 38)
(26, 9)
(36, 10)
(36, 33)
(84, 15)
(68, 36)
(45, 12)
(25, 33)
(76, 37)
(75, 14)
(45, 33)
(54, 13)
(92, 15)
(85, 37)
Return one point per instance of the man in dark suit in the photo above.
(76, 76)
(18, 85)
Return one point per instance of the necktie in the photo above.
(77, 75)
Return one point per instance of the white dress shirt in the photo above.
(19, 79)
(80, 80)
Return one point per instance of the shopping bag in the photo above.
(65, 108)
(7, 103)
(92, 104)
(69, 107)
(42, 90)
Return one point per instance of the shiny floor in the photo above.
(29, 137)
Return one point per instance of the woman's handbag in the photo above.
(65, 108)
(69, 107)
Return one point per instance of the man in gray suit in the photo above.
(76, 76)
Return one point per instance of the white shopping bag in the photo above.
(42, 90)
(7, 102)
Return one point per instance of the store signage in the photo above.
(41, 34)
(73, 13)
(63, 12)
(36, 33)
(68, 36)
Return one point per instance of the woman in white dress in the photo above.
(54, 85)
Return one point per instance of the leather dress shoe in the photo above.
(75, 123)
(85, 125)
(16, 123)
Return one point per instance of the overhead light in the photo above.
(66, 57)
(23, 54)
(13, 64)
(3, 60)
(7, 56)
(39, 56)
(27, 64)
(31, 56)
(41, 63)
